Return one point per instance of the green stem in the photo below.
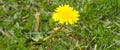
(55, 32)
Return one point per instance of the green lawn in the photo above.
(98, 27)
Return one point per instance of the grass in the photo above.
(97, 29)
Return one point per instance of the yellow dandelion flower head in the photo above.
(65, 15)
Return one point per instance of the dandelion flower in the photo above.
(65, 15)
